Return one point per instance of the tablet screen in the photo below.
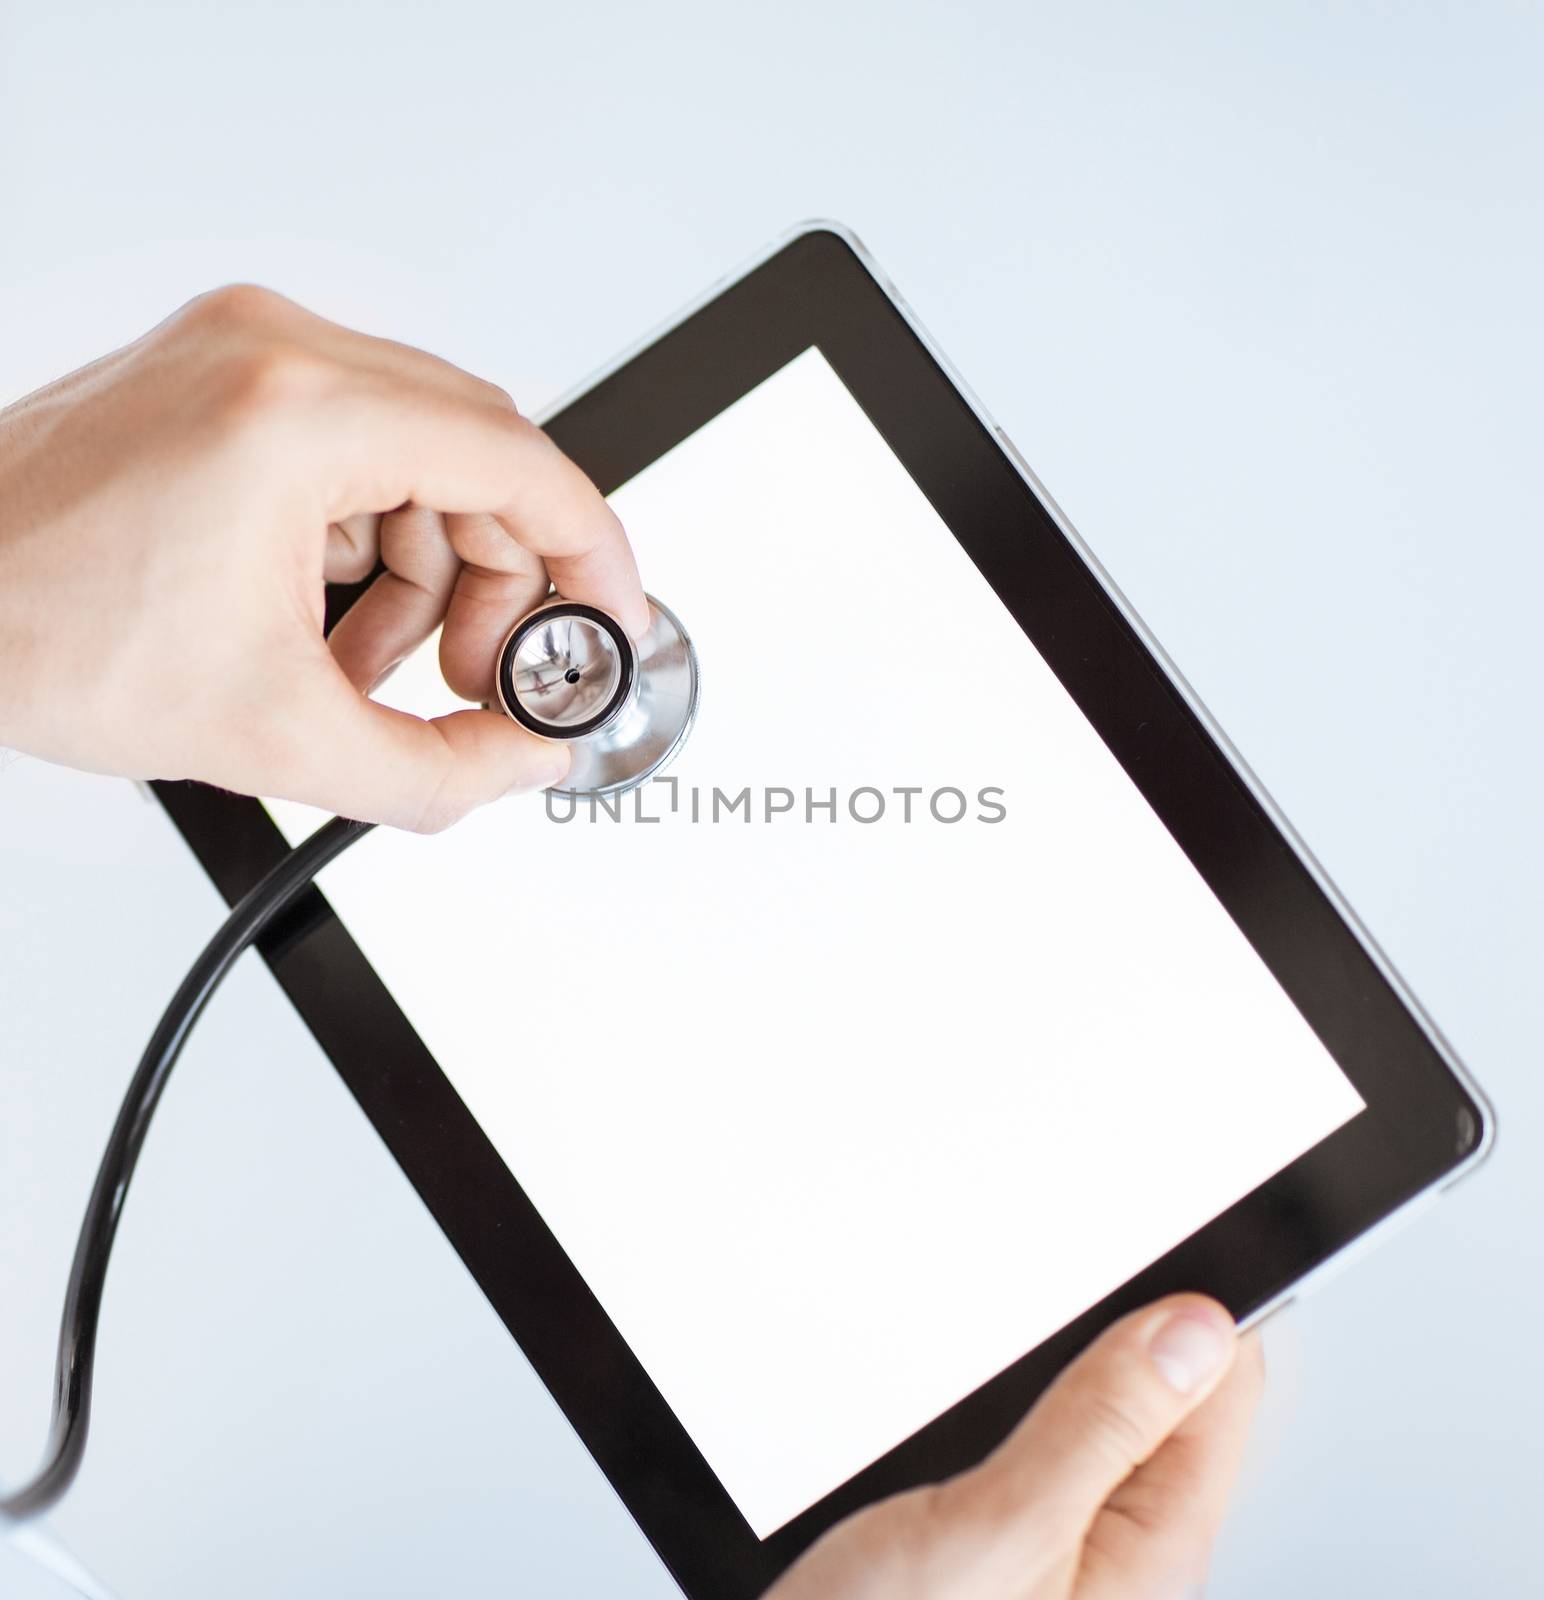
(888, 1034)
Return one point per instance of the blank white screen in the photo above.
(839, 1120)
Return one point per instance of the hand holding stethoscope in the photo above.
(172, 512)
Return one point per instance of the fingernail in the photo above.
(1188, 1350)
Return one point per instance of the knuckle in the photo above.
(521, 430)
(499, 399)
(234, 306)
(969, 1506)
(1115, 1432)
(347, 562)
(271, 375)
(353, 547)
(435, 819)
(441, 806)
(432, 819)
(251, 346)
(1166, 1538)
(1149, 1513)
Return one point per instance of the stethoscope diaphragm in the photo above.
(570, 672)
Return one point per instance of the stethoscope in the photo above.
(566, 672)
(569, 672)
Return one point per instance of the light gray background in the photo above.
(1254, 287)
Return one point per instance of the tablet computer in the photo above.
(957, 990)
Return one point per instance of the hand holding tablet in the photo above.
(1112, 1488)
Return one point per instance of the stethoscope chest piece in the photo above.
(570, 672)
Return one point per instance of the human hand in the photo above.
(168, 516)
(1112, 1488)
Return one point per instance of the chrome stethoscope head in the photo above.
(569, 671)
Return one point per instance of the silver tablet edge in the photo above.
(1397, 1219)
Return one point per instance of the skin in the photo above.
(173, 511)
(1112, 1488)
(171, 516)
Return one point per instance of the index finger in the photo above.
(393, 442)
(559, 522)
(555, 512)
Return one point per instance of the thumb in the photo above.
(367, 761)
(1015, 1526)
(1101, 1419)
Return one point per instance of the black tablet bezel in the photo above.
(1423, 1123)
